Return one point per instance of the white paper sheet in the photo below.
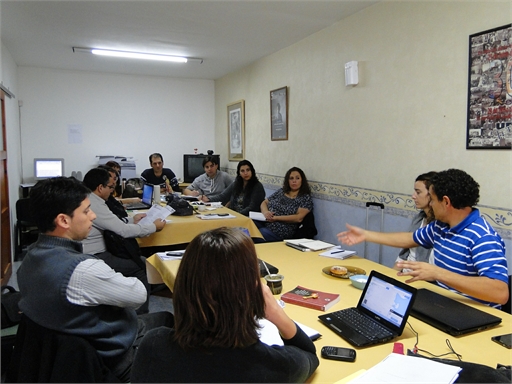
(156, 212)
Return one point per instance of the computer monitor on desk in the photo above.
(47, 168)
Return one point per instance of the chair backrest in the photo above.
(507, 306)
(307, 229)
(43, 355)
(23, 213)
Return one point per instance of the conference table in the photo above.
(182, 229)
(305, 269)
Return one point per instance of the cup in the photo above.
(201, 208)
(275, 283)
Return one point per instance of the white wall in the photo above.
(407, 115)
(118, 115)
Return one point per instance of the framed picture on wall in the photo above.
(236, 131)
(279, 114)
(489, 121)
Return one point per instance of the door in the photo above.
(5, 223)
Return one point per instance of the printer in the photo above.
(127, 164)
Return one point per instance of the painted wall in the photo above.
(369, 142)
(116, 115)
(406, 116)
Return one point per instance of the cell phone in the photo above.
(338, 353)
(505, 340)
(222, 214)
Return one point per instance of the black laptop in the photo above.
(449, 315)
(380, 315)
(146, 201)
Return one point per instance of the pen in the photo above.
(341, 250)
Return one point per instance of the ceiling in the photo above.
(228, 35)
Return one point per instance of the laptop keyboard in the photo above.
(369, 329)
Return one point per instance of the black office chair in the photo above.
(507, 306)
(26, 230)
(41, 355)
(307, 229)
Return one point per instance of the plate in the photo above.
(351, 271)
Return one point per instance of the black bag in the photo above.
(11, 314)
(125, 248)
(181, 207)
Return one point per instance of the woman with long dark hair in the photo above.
(218, 299)
(246, 193)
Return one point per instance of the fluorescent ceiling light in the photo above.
(138, 55)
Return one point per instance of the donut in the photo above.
(337, 270)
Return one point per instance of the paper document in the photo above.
(269, 334)
(156, 212)
(338, 253)
(314, 245)
(404, 369)
(216, 216)
(257, 216)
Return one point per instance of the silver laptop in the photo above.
(147, 198)
(380, 315)
(449, 315)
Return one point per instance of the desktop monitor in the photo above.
(193, 166)
(47, 168)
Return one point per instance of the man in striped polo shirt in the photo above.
(469, 256)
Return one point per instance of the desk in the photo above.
(183, 229)
(305, 268)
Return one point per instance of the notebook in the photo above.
(449, 315)
(380, 315)
(146, 201)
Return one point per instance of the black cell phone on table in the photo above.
(505, 340)
(338, 353)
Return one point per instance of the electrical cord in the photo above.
(416, 349)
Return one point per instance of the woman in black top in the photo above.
(246, 193)
(218, 298)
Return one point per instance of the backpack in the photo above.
(181, 206)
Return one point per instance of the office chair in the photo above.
(307, 229)
(42, 355)
(26, 229)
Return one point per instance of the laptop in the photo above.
(380, 315)
(449, 315)
(146, 201)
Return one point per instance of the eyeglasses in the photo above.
(112, 187)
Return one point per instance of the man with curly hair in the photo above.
(469, 256)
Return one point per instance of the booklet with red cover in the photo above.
(311, 298)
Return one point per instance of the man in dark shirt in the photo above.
(158, 175)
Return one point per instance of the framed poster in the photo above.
(236, 131)
(489, 121)
(279, 114)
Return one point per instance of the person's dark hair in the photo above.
(239, 182)
(51, 197)
(217, 294)
(304, 188)
(426, 178)
(113, 164)
(462, 190)
(156, 154)
(96, 177)
(211, 159)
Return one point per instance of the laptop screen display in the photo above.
(387, 301)
(147, 194)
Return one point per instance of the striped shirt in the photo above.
(471, 248)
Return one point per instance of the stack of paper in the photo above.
(269, 334)
(409, 369)
(308, 244)
(338, 253)
(156, 212)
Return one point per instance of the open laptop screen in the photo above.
(387, 301)
(147, 194)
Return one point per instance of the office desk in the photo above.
(183, 229)
(305, 268)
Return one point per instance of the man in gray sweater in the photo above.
(211, 183)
